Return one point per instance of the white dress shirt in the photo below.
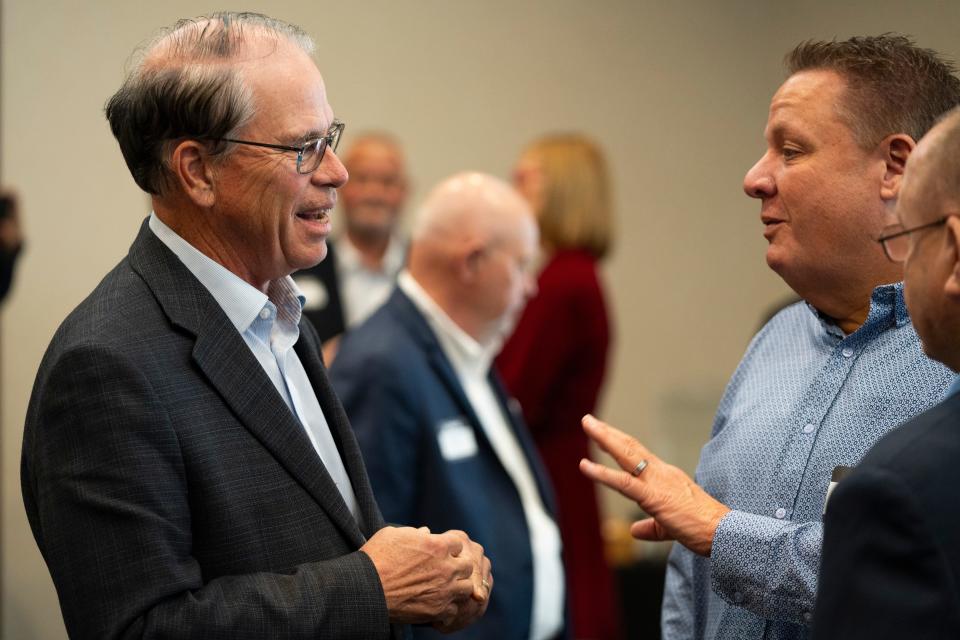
(268, 324)
(364, 290)
(471, 362)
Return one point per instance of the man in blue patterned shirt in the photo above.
(825, 378)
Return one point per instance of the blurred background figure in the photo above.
(361, 266)
(442, 444)
(11, 240)
(555, 361)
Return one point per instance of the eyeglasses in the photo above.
(310, 155)
(896, 240)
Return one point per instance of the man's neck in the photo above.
(210, 243)
(449, 300)
(846, 298)
(848, 312)
(372, 248)
(852, 321)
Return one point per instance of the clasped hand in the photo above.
(441, 579)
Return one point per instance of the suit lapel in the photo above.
(226, 361)
(414, 322)
(411, 318)
(519, 428)
(308, 350)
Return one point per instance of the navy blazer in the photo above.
(890, 566)
(400, 392)
(171, 491)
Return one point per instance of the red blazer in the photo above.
(554, 364)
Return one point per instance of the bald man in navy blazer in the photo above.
(444, 446)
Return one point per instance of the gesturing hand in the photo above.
(681, 509)
(443, 579)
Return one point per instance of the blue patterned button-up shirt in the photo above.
(804, 399)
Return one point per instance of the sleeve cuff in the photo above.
(762, 564)
(740, 558)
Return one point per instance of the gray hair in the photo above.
(185, 83)
(893, 86)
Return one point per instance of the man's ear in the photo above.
(952, 286)
(190, 165)
(469, 262)
(895, 149)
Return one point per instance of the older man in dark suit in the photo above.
(417, 383)
(187, 469)
(891, 565)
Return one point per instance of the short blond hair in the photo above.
(575, 208)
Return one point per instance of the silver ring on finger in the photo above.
(637, 470)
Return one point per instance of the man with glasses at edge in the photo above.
(825, 378)
(891, 531)
(187, 469)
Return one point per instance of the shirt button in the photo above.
(847, 352)
(807, 616)
(808, 428)
(265, 313)
(738, 597)
(781, 513)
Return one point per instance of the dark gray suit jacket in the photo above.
(170, 489)
(890, 566)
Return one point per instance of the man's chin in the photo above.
(786, 263)
(318, 255)
(798, 279)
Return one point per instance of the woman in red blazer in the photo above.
(555, 361)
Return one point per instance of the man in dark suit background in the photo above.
(891, 549)
(362, 265)
(187, 469)
(416, 380)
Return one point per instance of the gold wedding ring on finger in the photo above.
(486, 585)
(637, 470)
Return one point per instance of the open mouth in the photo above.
(317, 215)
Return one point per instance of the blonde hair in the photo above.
(575, 200)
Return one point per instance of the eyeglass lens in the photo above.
(312, 154)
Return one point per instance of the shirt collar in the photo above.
(240, 301)
(887, 306)
(349, 258)
(465, 353)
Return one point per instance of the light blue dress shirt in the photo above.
(269, 324)
(804, 399)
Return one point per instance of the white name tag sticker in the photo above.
(457, 440)
(839, 473)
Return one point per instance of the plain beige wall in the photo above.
(677, 93)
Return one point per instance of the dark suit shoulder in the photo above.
(922, 457)
(922, 450)
(900, 496)
(120, 311)
(380, 347)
